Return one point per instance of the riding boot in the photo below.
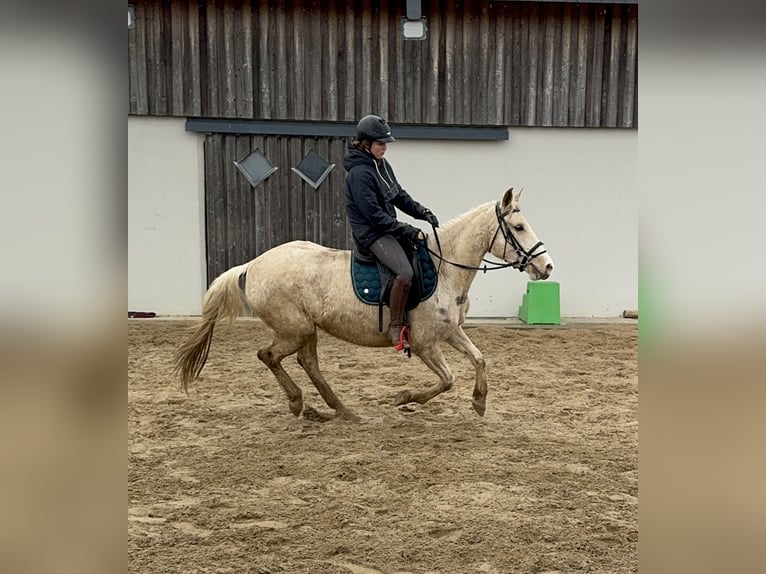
(397, 303)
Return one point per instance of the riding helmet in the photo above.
(374, 128)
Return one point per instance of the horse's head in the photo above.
(516, 242)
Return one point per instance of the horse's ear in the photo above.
(507, 200)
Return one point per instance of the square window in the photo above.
(255, 167)
(313, 169)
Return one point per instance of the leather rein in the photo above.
(523, 256)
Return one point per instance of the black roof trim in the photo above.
(575, 1)
(340, 129)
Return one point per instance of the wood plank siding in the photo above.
(243, 221)
(483, 63)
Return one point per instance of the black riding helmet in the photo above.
(374, 128)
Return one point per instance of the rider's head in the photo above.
(372, 130)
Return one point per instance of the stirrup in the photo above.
(404, 341)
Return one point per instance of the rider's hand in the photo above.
(431, 218)
(412, 233)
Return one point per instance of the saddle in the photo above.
(372, 280)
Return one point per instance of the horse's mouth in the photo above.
(533, 272)
(536, 274)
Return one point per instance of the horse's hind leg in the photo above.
(434, 360)
(460, 341)
(308, 359)
(272, 355)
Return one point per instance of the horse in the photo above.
(299, 287)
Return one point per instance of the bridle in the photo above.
(523, 256)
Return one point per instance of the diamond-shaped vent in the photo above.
(313, 169)
(256, 167)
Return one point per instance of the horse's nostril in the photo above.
(549, 268)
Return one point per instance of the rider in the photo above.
(372, 192)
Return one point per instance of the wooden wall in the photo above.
(242, 221)
(483, 63)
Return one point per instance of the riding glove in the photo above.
(410, 232)
(430, 218)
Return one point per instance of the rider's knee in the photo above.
(406, 275)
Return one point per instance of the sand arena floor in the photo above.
(227, 480)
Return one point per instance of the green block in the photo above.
(541, 305)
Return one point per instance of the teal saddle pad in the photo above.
(372, 281)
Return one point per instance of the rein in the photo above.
(523, 256)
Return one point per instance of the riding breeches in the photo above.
(391, 254)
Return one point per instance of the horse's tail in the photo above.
(223, 300)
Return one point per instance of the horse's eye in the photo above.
(519, 227)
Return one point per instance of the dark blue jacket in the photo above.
(372, 192)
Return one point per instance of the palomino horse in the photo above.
(298, 287)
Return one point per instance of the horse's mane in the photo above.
(453, 231)
(460, 219)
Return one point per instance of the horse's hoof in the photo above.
(480, 406)
(347, 415)
(296, 407)
(402, 398)
(311, 414)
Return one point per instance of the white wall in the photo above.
(580, 196)
(166, 248)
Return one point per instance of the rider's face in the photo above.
(377, 149)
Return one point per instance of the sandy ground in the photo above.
(227, 480)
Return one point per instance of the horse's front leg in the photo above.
(434, 359)
(460, 341)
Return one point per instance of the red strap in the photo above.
(404, 339)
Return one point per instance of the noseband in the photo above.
(523, 257)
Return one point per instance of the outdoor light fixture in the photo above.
(414, 25)
(414, 29)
